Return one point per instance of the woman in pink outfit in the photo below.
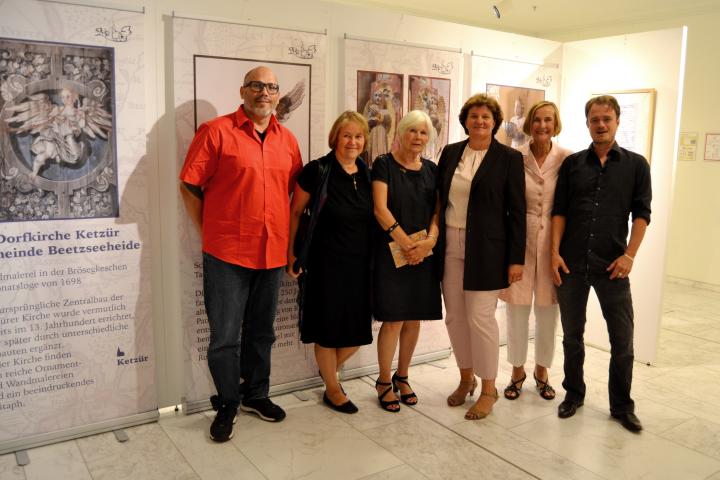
(542, 158)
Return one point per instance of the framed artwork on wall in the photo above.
(687, 148)
(712, 147)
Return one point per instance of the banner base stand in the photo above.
(301, 395)
(22, 458)
(416, 360)
(295, 387)
(20, 444)
(290, 387)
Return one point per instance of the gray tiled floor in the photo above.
(677, 399)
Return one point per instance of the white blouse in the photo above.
(456, 213)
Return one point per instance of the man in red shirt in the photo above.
(236, 181)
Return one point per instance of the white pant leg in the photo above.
(456, 319)
(518, 317)
(545, 324)
(484, 332)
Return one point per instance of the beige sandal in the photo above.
(474, 413)
(457, 398)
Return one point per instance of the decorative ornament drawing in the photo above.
(57, 145)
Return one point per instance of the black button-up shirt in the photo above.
(596, 202)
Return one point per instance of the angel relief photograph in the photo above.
(57, 132)
(515, 103)
(217, 92)
(432, 96)
(379, 99)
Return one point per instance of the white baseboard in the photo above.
(693, 283)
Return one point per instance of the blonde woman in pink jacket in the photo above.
(542, 158)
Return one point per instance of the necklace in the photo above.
(404, 168)
(354, 181)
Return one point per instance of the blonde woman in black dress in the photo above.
(336, 313)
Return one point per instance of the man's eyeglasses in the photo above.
(258, 87)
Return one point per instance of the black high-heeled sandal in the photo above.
(512, 391)
(406, 399)
(386, 404)
(544, 389)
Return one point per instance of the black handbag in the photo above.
(309, 217)
(306, 227)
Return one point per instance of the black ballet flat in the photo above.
(347, 407)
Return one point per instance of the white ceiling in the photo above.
(547, 18)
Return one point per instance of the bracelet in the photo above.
(628, 256)
(430, 235)
(392, 227)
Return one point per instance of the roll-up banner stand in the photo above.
(211, 59)
(384, 81)
(76, 337)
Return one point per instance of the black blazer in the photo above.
(496, 224)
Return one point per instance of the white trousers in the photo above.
(470, 315)
(518, 317)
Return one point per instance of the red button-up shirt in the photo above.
(246, 184)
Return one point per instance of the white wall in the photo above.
(634, 61)
(694, 234)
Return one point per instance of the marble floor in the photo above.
(678, 400)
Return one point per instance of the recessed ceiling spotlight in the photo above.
(500, 8)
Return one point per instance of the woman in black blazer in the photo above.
(481, 248)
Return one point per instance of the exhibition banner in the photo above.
(517, 86)
(211, 60)
(384, 81)
(76, 343)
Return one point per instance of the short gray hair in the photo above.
(413, 118)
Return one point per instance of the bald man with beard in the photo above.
(235, 184)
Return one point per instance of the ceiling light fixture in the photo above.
(501, 8)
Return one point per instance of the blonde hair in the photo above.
(345, 118)
(527, 126)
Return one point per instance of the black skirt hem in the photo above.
(325, 345)
(403, 318)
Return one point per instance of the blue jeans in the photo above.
(616, 304)
(241, 305)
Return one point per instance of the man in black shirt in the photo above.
(596, 190)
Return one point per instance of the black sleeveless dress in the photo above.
(336, 309)
(411, 292)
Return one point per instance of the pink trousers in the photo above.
(470, 315)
